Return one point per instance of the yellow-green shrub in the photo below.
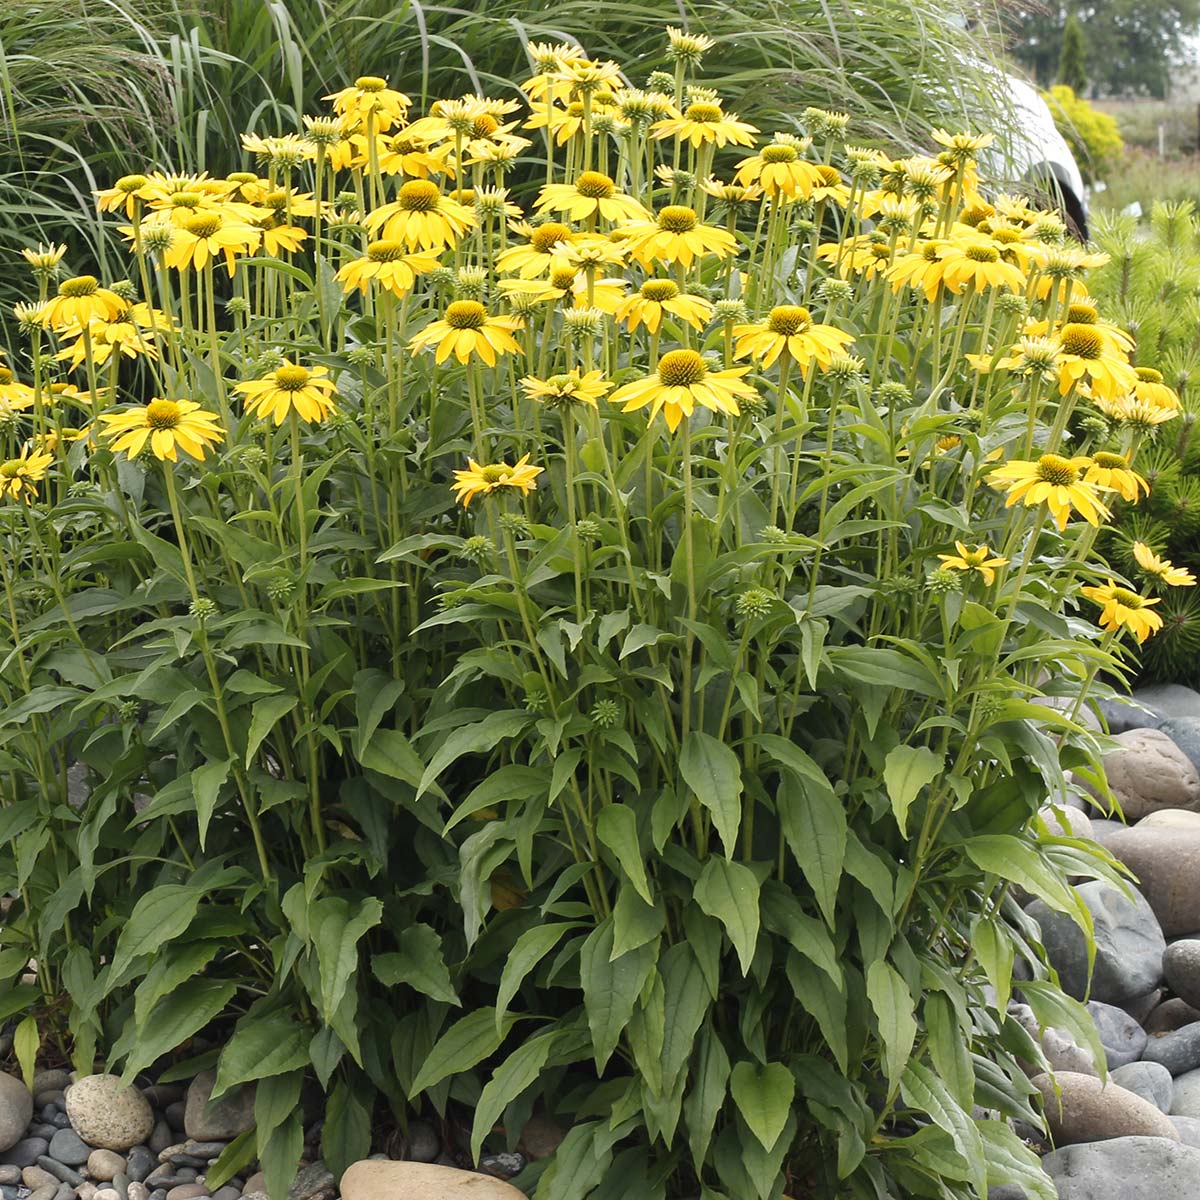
(1093, 136)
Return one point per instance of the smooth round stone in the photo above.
(138, 1191)
(61, 1121)
(1085, 1110)
(372, 1179)
(1169, 699)
(311, 1181)
(1123, 715)
(1126, 1168)
(160, 1138)
(10, 1176)
(1171, 818)
(45, 1193)
(187, 1191)
(107, 1114)
(1143, 1006)
(1186, 1099)
(422, 1143)
(1151, 1081)
(541, 1136)
(1181, 966)
(1066, 822)
(27, 1151)
(66, 1146)
(1166, 863)
(1170, 1015)
(227, 1193)
(1148, 772)
(61, 1171)
(223, 1119)
(1185, 733)
(139, 1163)
(1129, 945)
(54, 1080)
(1189, 1130)
(107, 1194)
(1179, 1051)
(105, 1165)
(1122, 1037)
(16, 1111)
(38, 1177)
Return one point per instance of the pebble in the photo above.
(16, 1110)
(42, 1131)
(120, 1181)
(48, 1113)
(66, 1146)
(1170, 1015)
(174, 1113)
(57, 1097)
(1186, 1100)
(1122, 1037)
(38, 1177)
(61, 1171)
(160, 1138)
(228, 1192)
(61, 1121)
(1085, 1110)
(422, 1143)
(107, 1194)
(1181, 965)
(205, 1150)
(26, 1152)
(55, 1080)
(107, 1114)
(139, 1163)
(65, 1191)
(10, 1176)
(1171, 818)
(217, 1120)
(1129, 1168)
(1152, 1081)
(256, 1183)
(45, 1193)
(187, 1191)
(311, 1181)
(1179, 1051)
(159, 1194)
(371, 1179)
(138, 1191)
(502, 1166)
(105, 1165)
(162, 1094)
(9, 1192)
(1149, 771)
(1143, 1006)
(543, 1135)
(1189, 1130)
(1129, 945)
(1166, 863)
(1185, 733)
(86, 1191)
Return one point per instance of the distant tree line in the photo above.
(1118, 47)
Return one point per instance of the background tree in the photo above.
(1072, 70)
(1132, 44)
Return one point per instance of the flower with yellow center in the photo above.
(132, 334)
(1134, 413)
(19, 477)
(168, 425)
(592, 251)
(829, 186)
(370, 95)
(45, 259)
(677, 236)
(79, 301)
(15, 395)
(924, 268)
(479, 480)
(687, 47)
(1055, 481)
(573, 387)
(206, 235)
(291, 388)
(980, 266)
(466, 329)
(790, 327)
(49, 442)
(403, 154)
(705, 122)
(978, 560)
(421, 217)
(731, 197)
(1113, 472)
(124, 194)
(564, 123)
(682, 381)
(569, 280)
(1150, 387)
(1031, 358)
(1084, 356)
(388, 265)
(867, 255)
(780, 171)
(1159, 570)
(540, 254)
(657, 296)
(1116, 341)
(962, 146)
(1122, 608)
(591, 195)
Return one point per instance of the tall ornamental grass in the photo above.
(572, 601)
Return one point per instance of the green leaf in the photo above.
(206, 786)
(520, 1070)
(418, 963)
(616, 827)
(704, 1102)
(814, 826)
(712, 772)
(728, 891)
(464, 1045)
(275, 1099)
(949, 1047)
(26, 1041)
(238, 1154)
(346, 1136)
(611, 987)
(174, 966)
(1010, 1161)
(764, 1098)
(634, 921)
(996, 954)
(906, 770)
(528, 950)
(265, 714)
(281, 1156)
(336, 930)
(687, 1004)
(159, 916)
(261, 1047)
(513, 781)
(1012, 859)
(173, 1021)
(925, 1092)
(477, 738)
(893, 1005)
(824, 1001)
(881, 667)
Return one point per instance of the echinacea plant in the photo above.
(554, 599)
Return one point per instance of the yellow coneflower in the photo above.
(1055, 481)
(592, 194)
(124, 194)
(421, 217)
(466, 329)
(1116, 341)
(924, 268)
(979, 560)
(656, 296)
(564, 123)
(402, 154)
(15, 395)
(540, 254)
(829, 186)
(168, 425)
(208, 235)
(963, 146)
(387, 264)
(1084, 355)
(573, 387)
(370, 95)
(779, 170)
(682, 381)
(1159, 569)
(1133, 412)
(20, 476)
(45, 259)
(704, 121)
(79, 301)
(677, 236)
(979, 265)
(790, 327)
(1150, 386)
(479, 480)
(1121, 607)
(1112, 471)
(687, 47)
(568, 280)
(132, 334)
(291, 388)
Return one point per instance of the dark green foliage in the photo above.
(1072, 65)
